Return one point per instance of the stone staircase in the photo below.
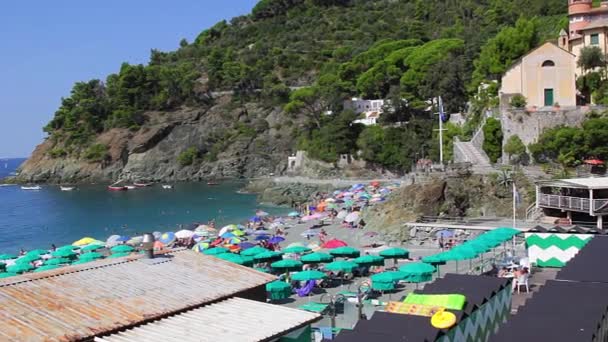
(467, 152)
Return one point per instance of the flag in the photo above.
(442, 115)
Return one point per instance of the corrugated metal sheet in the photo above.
(82, 301)
(236, 319)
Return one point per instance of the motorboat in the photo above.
(37, 187)
(117, 188)
(142, 185)
(67, 188)
(167, 186)
(130, 187)
(212, 183)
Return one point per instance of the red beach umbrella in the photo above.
(334, 243)
(593, 162)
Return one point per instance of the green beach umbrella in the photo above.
(7, 256)
(317, 257)
(369, 260)
(235, 258)
(67, 248)
(82, 261)
(309, 275)
(7, 274)
(2, 266)
(389, 276)
(254, 251)
(341, 265)
(122, 249)
(345, 251)
(395, 253)
(278, 290)
(383, 286)
(259, 269)
(92, 247)
(297, 250)
(56, 261)
(90, 256)
(37, 252)
(28, 258)
(287, 264)
(268, 256)
(19, 268)
(118, 255)
(462, 253)
(417, 272)
(63, 253)
(436, 260)
(216, 251)
(46, 268)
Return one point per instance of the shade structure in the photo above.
(287, 265)
(19, 268)
(435, 259)
(167, 238)
(267, 256)
(235, 258)
(116, 239)
(238, 232)
(46, 268)
(390, 276)
(92, 247)
(348, 252)
(7, 275)
(309, 275)
(417, 272)
(7, 256)
(67, 248)
(315, 258)
(246, 245)
(63, 253)
(254, 250)
(200, 247)
(118, 255)
(84, 241)
(216, 251)
(461, 254)
(27, 259)
(90, 256)
(369, 260)
(184, 234)
(352, 217)
(383, 286)
(334, 243)
(122, 249)
(278, 290)
(262, 237)
(57, 261)
(84, 261)
(276, 239)
(296, 250)
(395, 253)
(37, 252)
(341, 266)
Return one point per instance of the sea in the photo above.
(37, 219)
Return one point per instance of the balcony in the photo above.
(577, 204)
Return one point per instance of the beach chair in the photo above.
(522, 281)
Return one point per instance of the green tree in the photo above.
(518, 101)
(515, 148)
(188, 156)
(591, 57)
(308, 101)
(492, 143)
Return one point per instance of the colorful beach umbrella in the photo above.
(84, 241)
(238, 232)
(122, 249)
(200, 247)
(309, 275)
(262, 238)
(57, 261)
(90, 256)
(347, 252)
(7, 275)
(63, 253)
(227, 235)
(92, 247)
(296, 250)
(246, 245)
(268, 256)
(254, 251)
(287, 264)
(334, 243)
(19, 268)
(276, 239)
(184, 234)
(167, 238)
(116, 239)
(369, 260)
(216, 251)
(341, 266)
(118, 255)
(46, 268)
(315, 258)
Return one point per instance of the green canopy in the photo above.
(345, 251)
(395, 253)
(37, 252)
(315, 258)
(92, 247)
(341, 265)
(260, 269)
(82, 261)
(67, 248)
(46, 268)
(436, 259)
(122, 249)
(372, 260)
(216, 251)
(27, 259)
(56, 261)
(417, 272)
(389, 276)
(117, 255)
(7, 274)
(63, 253)
(19, 268)
(278, 286)
(296, 250)
(308, 275)
(253, 251)
(383, 286)
(287, 264)
(2, 266)
(235, 258)
(90, 256)
(462, 253)
(267, 256)
(7, 256)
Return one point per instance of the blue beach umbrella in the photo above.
(246, 245)
(227, 235)
(255, 219)
(276, 239)
(262, 237)
(167, 238)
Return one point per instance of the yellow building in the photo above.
(546, 77)
(588, 26)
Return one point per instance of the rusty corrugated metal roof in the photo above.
(233, 320)
(83, 301)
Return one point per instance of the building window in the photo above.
(595, 39)
(548, 63)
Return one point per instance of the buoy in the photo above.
(443, 320)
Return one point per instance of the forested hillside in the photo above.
(300, 58)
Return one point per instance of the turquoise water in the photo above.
(35, 219)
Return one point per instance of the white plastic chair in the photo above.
(523, 281)
(525, 262)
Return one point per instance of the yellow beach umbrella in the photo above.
(84, 241)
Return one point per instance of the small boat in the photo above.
(37, 187)
(67, 188)
(167, 186)
(130, 187)
(116, 188)
(212, 183)
(142, 185)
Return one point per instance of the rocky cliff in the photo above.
(231, 139)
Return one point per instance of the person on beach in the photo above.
(53, 247)
(22, 252)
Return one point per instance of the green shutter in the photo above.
(595, 39)
(549, 97)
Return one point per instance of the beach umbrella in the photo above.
(341, 265)
(216, 251)
(293, 214)
(92, 247)
(84, 241)
(254, 250)
(262, 238)
(158, 245)
(462, 253)
(235, 258)
(56, 261)
(395, 253)
(238, 232)
(296, 250)
(444, 234)
(200, 247)
(255, 219)
(19, 268)
(90, 256)
(342, 214)
(347, 252)
(370, 260)
(260, 269)
(268, 256)
(276, 239)
(26, 259)
(184, 234)
(46, 268)
(37, 252)
(287, 265)
(383, 286)
(136, 240)
(67, 248)
(233, 241)
(82, 261)
(246, 245)
(63, 253)
(309, 275)
(7, 275)
(347, 204)
(227, 235)
(157, 235)
(118, 255)
(315, 258)
(334, 243)
(352, 217)
(7, 256)
(121, 249)
(389, 276)
(417, 272)
(116, 239)
(278, 290)
(167, 238)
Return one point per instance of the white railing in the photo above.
(571, 203)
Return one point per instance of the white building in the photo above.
(369, 110)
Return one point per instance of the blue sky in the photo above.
(46, 46)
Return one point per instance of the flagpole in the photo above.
(514, 203)
(440, 131)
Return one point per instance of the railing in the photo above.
(571, 203)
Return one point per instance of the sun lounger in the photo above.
(314, 307)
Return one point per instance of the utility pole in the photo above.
(440, 115)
